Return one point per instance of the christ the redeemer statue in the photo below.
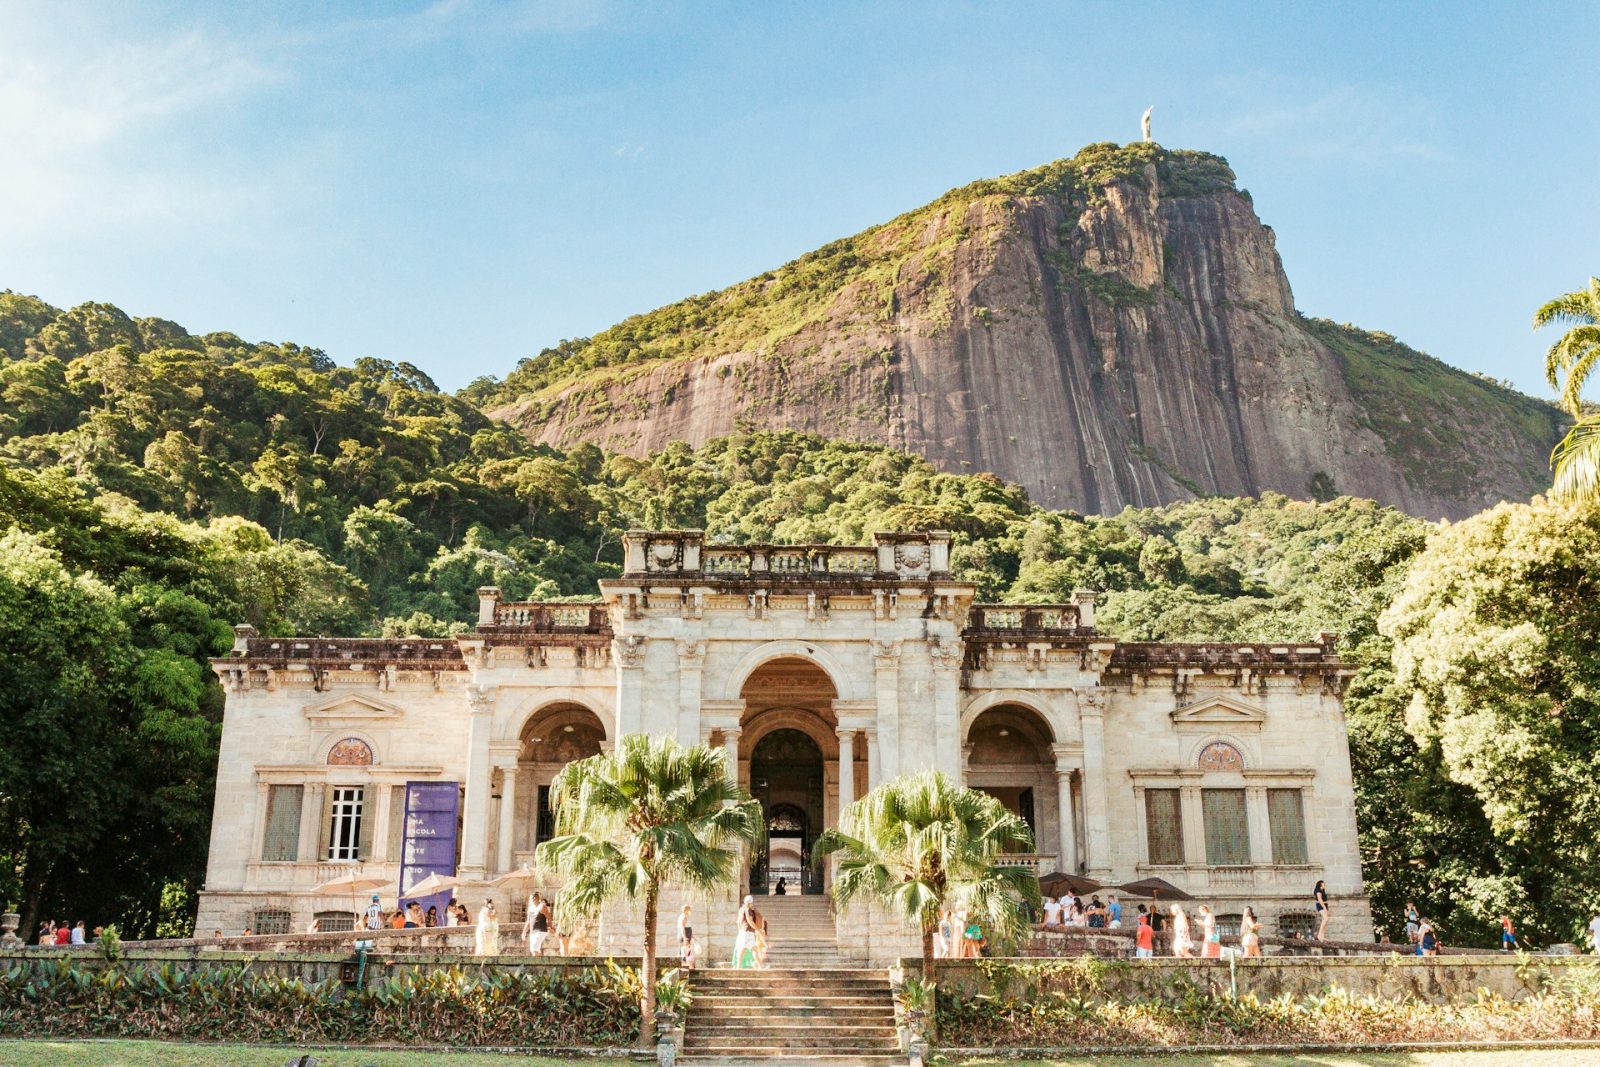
(1144, 123)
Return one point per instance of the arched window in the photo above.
(1221, 756)
(351, 752)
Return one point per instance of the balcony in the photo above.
(1038, 862)
(552, 618)
(1019, 620)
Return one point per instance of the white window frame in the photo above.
(346, 809)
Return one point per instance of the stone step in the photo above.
(701, 989)
(721, 1009)
(746, 1045)
(802, 1056)
(790, 1000)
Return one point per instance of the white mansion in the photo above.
(824, 670)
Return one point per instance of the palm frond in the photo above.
(1576, 461)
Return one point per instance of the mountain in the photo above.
(1110, 330)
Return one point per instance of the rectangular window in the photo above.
(281, 841)
(1286, 814)
(1163, 824)
(270, 921)
(1227, 832)
(344, 822)
(335, 922)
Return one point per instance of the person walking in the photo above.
(744, 946)
(1250, 933)
(1413, 920)
(971, 937)
(1210, 939)
(686, 937)
(1319, 898)
(944, 936)
(539, 923)
(1508, 935)
(486, 940)
(374, 914)
(1182, 947)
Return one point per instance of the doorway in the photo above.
(786, 777)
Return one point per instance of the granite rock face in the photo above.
(1131, 343)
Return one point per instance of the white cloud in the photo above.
(100, 127)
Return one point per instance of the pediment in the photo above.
(351, 707)
(1220, 711)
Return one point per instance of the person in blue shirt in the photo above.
(1114, 906)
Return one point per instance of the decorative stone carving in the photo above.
(691, 652)
(9, 921)
(628, 651)
(911, 560)
(664, 555)
(1221, 756)
(351, 752)
(1091, 702)
(945, 654)
(886, 654)
(480, 698)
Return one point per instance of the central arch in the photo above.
(788, 733)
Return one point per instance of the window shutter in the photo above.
(1163, 818)
(281, 840)
(1286, 816)
(325, 832)
(1227, 830)
(367, 818)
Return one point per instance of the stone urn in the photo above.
(666, 1038)
(9, 921)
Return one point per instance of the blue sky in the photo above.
(461, 183)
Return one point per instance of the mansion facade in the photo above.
(822, 671)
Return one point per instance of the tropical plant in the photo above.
(630, 821)
(920, 842)
(1567, 365)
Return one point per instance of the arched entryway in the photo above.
(1008, 756)
(552, 738)
(789, 743)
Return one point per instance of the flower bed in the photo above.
(1063, 1009)
(594, 1008)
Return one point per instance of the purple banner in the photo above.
(430, 839)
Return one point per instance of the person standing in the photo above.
(414, 916)
(686, 937)
(450, 917)
(63, 933)
(374, 914)
(1114, 910)
(1319, 898)
(432, 918)
(1182, 946)
(1413, 920)
(1250, 933)
(1144, 938)
(1508, 935)
(1430, 940)
(539, 923)
(1594, 934)
(971, 937)
(1052, 911)
(943, 936)
(1210, 939)
(486, 941)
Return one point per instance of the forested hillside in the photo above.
(156, 487)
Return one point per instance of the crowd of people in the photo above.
(53, 932)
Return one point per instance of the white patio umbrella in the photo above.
(353, 883)
(521, 878)
(439, 883)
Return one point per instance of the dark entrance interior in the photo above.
(786, 777)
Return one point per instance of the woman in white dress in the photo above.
(1182, 946)
(1052, 911)
(487, 934)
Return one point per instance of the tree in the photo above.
(1567, 365)
(1494, 636)
(920, 842)
(629, 822)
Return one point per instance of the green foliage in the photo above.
(920, 843)
(1494, 638)
(456, 1007)
(1568, 366)
(631, 821)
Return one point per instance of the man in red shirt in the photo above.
(1144, 939)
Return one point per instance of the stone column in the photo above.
(945, 654)
(730, 751)
(691, 660)
(1091, 709)
(508, 811)
(874, 764)
(475, 820)
(628, 654)
(1067, 828)
(886, 687)
(1259, 825)
(847, 769)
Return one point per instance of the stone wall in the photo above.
(1436, 980)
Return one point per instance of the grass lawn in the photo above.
(1580, 1057)
(164, 1054)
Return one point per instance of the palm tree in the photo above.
(920, 842)
(630, 821)
(1573, 358)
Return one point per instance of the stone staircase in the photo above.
(800, 932)
(811, 1016)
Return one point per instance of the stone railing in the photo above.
(1141, 655)
(1002, 619)
(1038, 862)
(346, 653)
(684, 554)
(552, 618)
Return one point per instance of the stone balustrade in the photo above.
(684, 554)
(551, 618)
